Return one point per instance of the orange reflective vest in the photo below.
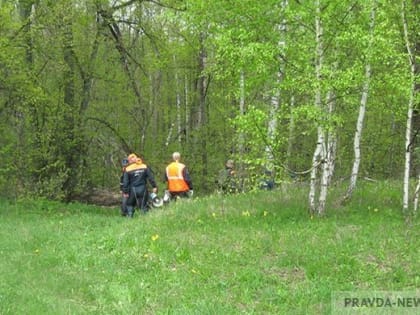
(135, 166)
(176, 181)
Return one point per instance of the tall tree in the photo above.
(411, 53)
(320, 150)
(277, 96)
(362, 108)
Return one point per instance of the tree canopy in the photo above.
(83, 83)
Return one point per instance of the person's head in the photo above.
(176, 156)
(132, 158)
(230, 163)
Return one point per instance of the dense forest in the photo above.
(320, 91)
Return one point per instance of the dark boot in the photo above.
(130, 212)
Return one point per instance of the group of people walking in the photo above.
(137, 175)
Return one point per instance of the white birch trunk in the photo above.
(272, 123)
(332, 141)
(178, 104)
(241, 108)
(202, 84)
(187, 108)
(291, 131)
(323, 190)
(178, 108)
(327, 170)
(332, 152)
(275, 100)
(358, 133)
(408, 153)
(241, 142)
(316, 161)
(328, 159)
(151, 107)
(362, 110)
(242, 93)
(318, 155)
(408, 149)
(416, 196)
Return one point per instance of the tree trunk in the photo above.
(70, 118)
(203, 83)
(272, 125)
(362, 110)
(319, 153)
(187, 112)
(329, 158)
(25, 11)
(241, 142)
(276, 98)
(291, 134)
(126, 61)
(317, 159)
(408, 132)
(75, 148)
(416, 4)
(178, 104)
(416, 196)
(332, 141)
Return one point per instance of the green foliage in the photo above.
(259, 146)
(256, 253)
(69, 146)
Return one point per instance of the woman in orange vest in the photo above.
(178, 180)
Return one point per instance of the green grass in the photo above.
(248, 254)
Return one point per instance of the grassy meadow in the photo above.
(258, 253)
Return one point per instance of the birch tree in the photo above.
(362, 107)
(276, 98)
(416, 196)
(112, 68)
(410, 107)
(320, 151)
(178, 103)
(202, 119)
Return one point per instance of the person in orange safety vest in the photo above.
(178, 180)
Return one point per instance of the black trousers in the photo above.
(138, 197)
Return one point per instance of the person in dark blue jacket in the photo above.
(124, 164)
(135, 179)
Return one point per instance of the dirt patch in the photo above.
(288, 274)
(100, 197)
